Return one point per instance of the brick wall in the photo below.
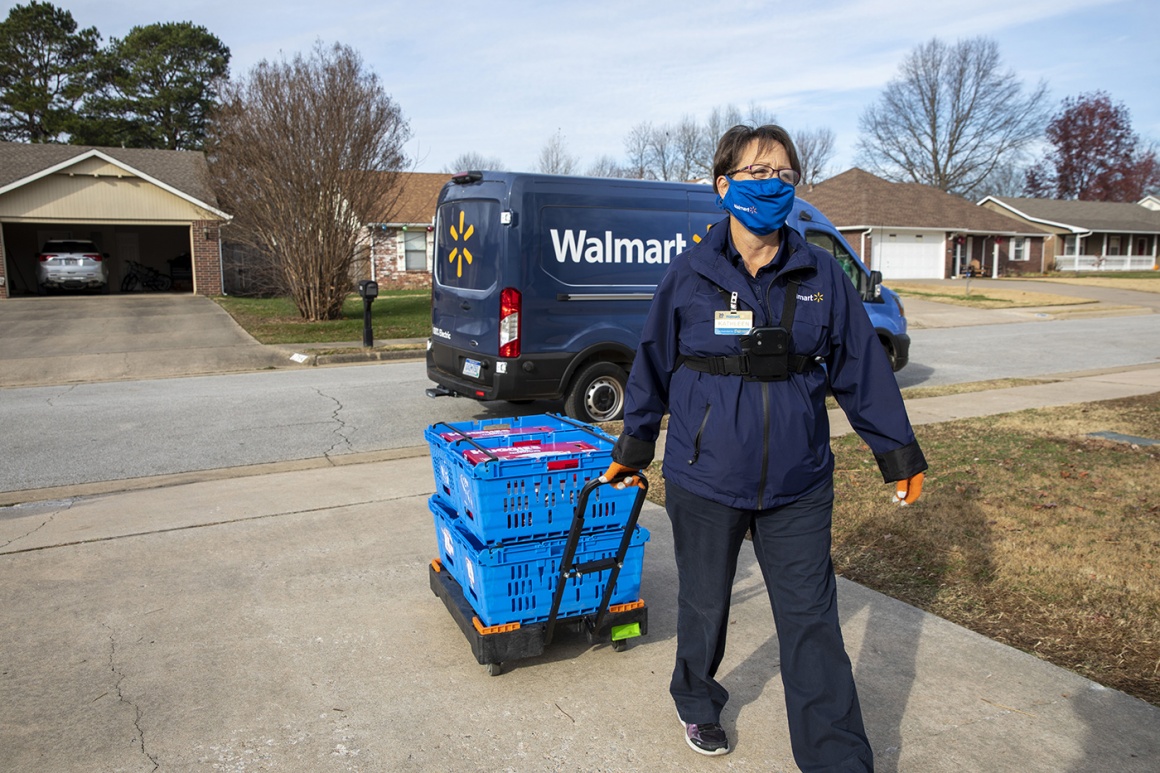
(388, 253)
(207, 258)
(3, 267)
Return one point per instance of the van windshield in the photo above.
(467, 244)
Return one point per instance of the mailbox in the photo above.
(368, 289)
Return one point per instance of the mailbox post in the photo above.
(368, 289)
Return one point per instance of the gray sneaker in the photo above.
(707, 738)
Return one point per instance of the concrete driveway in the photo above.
(80, 339)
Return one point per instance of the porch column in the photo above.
(3, 266)
(207, 257)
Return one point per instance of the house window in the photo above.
(1114, 245)
(1071, 245)
(416, 248)
(1019, 248)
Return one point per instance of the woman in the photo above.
(734, 348)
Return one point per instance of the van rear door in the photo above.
(465, 288)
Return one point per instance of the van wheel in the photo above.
(890, 354)
(597, 394)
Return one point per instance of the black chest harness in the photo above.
(765, 351)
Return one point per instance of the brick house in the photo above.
(402, 244)
(1090, 235)
(153, 207)
(914, 231)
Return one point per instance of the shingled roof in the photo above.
(856, 198)
(182, 170)
(1083, 216)
(416, 202)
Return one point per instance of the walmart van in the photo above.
(542, 283)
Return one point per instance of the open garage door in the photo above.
(158, 252)
(910, 255)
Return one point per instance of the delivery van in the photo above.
(542, 283)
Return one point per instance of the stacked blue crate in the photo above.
(505, 496)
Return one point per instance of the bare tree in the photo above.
(723, 118)
(636, 146)
(302, 153)
(815, 148)
(690, 149)
(720, 120)
(662, 152)
(1004, 180)
(465, 162)
(606, 166)
(554, 157)
(759, 115)
(950, 117)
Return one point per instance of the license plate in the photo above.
(471, 368)
(72, 262)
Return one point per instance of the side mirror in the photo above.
(874, 291)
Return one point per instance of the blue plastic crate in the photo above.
(514, 583)
(531, 494)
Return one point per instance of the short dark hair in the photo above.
(734, 141)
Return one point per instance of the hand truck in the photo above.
(495, 645)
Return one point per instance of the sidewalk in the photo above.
(283, 621)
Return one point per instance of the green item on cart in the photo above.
(627, 631)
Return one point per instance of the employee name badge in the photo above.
(732, 323)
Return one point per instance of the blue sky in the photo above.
(500, 78)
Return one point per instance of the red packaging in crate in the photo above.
(511, 482)
(515, 582)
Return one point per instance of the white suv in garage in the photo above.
(71, 264)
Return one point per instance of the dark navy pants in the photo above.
(792, 545)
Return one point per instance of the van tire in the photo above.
(597, 393)
(891, 353)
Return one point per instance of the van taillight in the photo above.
(509, 322)
(94, 256)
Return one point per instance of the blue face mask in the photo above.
(762, 206)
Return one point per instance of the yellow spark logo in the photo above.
(697, 237)
(460, 253)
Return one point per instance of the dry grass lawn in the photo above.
(1028, 531)
(984, 295)
(1144, 285)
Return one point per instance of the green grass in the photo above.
(394, 314)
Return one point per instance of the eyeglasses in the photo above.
(766, 172)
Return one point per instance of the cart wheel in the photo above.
(494, 669)
(620, 645)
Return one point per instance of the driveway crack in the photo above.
(340, 429)
(67, 505)
(139, 739)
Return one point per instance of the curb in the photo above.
(351, 356)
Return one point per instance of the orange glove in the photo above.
(615, 470)
(909, 490)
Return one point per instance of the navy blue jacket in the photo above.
(753, 444)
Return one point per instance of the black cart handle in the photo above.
(613, 565)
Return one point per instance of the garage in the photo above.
(908, 254)
(149, 213)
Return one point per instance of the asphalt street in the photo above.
(79, 433)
